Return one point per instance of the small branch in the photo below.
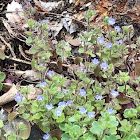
(18, 61)
(9, 46)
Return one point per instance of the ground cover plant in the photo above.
(91, 105)
(96, 99)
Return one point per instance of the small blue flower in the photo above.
(65, 90)
(69, 102)
(41, 64)
(18, 98)
(50, 72)
(95, 61)
(82, 69)
(114, 93)
(83, 110)
(118, 28)
(100, 40)
(43, 84)
(111, 21)
(82, 92)
(108, 45)
(46, 136)
(120, 41)
(91, 114)
(104, 65)
(62, 104)
(49, 107)
(58, 112)
(98, 97)
(39, 98)
(110, 110)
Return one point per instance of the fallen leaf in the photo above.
(15, 17)
(59, 65)
(122, 99)
(75, 42)
(137, 68)
(12, 116)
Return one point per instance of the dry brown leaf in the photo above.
(76, 2)
(28, 74)
(59, 65)
(79, 16)
(9, 96)
(2, 54)
(137, 68)
(75, 42)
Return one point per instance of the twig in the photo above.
(22, 53)
(9, 46)
(18, 60)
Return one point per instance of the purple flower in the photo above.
(95, 61)
(120, 41)
(65, 90)
(69, 102)
(50, 72)
(100, 40)
(83, 69)
(118, 28)
(83, 110)
(49, 107)
(58, 112)
(114, 93)
(104, 65)
(91, 114)
(62, 104)
(108, 45)
(110, 110)
(82, 92)
(39, 98)
(41, 64)
(18, 98)
(98, 97)
(43, 84)
(111, 21)
(46, 136)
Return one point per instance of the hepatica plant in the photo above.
(89, 104)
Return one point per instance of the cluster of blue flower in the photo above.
(101, 41)
(84, 111)
(61, 105)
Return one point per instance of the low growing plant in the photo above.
(90, 107)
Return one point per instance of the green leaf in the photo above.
(81, 50)
(138, 40)
(28, 33)
(90, 53)
(1, 123)
(2, 77)
(60, 95)
(132, 137)
(29, 40)
(96, 128)
(72, 119)
(31, 22)
(61, 118)
(12, 137)
(130, 113)
(111, 137)
(65, 137)
(87, 137)
(1, 86)
(26, 116)
(37, 115)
